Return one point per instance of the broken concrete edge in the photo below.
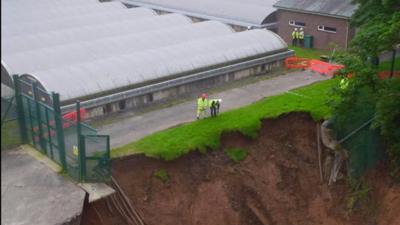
(96, 191)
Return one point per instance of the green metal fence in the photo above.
(64, 141)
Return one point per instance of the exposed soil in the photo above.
(278, 183)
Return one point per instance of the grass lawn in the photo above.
(205, 134)
(386, 65)
(309, 53)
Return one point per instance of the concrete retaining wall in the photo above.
(189, 89)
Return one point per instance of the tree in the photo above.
(379, 31)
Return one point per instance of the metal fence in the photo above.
(74, 145)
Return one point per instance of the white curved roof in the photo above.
(97, 76)
(93, 19)
(239, 12)
(21, 43)
(45, 13)
(83, 51)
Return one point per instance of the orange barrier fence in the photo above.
(386, 74)
(297, 63)
(324, 67)
(313, 65)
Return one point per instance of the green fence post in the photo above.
(59, 129)
(49, 133)
(20, 109)
(82, 157)
(37, 104)
(81, 143)
(108, 158)
(393, 60)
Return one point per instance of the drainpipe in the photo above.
(393, 59)
(347, 34)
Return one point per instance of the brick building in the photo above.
(328, 21)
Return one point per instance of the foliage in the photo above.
(162, 175)
(358, 195)
(379, 23)
(205, 134)
(236, 154)
(379, 31)
(388, 119)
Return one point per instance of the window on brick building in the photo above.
(327, 29)
(296, 23)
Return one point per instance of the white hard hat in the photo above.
(220, 100)
(301, 28)
(295, 28)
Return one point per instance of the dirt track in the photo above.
(278, 183)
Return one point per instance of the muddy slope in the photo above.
(278, 183)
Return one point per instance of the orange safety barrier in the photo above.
(73, 116)
(386, 74)
(324, 67)
(297, 63)
(313, 65)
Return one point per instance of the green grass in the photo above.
(386, 65)
(162, 175)
(236, 154)
(309, 53)
(10, 135)
(205, 134)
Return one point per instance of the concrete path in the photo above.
(32, 193)
(130, 129)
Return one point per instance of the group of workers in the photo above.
(203, 103)
(298, 37)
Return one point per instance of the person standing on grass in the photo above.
(295, 35)
(300, 37)
(214, 106)
(202, 105)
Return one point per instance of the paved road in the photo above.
(129, 129)
(32, 193)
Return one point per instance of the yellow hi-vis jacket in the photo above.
(344, 83)
(202, 104)
(295, 34)
(301, 35)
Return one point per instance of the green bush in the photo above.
(162, 175)
(236, 154)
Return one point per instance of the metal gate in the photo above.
(74, 145)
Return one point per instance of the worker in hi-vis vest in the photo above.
(295, 35)
(301, 37)
(214, 106)
(344, 83)
(202, 105)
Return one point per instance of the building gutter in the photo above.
(178, 81)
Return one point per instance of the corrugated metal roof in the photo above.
(64, 24)
(134, 40)
(335, 8)
(76, 56)
(24, 43)
(107, 74)
(237, 12)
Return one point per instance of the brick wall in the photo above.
(322, 39)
